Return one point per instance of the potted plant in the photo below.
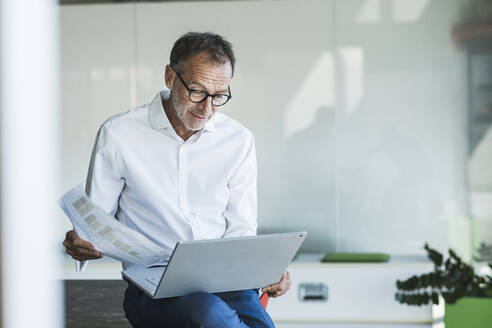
(467, 296)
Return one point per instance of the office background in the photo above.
(372, 121)
(359, 109)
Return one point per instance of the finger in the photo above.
(73, 238)
(82, 257)
(71, 235)
(73, 255)
(89, 252)
(81, 251)
(272, 291)
(286, 282)
(69, 238)
(281, 291)
(83, 243)
(272, 288)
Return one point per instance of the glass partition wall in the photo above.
(359, 108)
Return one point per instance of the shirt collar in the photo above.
(158, 117)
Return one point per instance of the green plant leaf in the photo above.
(434, 255)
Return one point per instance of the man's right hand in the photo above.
(80, 249)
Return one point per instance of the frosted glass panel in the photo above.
(400, 123)
(97, 80)
(358, 107)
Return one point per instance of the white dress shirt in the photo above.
(172, 190)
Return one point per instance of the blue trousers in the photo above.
(239, 309)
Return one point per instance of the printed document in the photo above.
(107, 234)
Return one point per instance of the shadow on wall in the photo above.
(310, 164)
(381, 187)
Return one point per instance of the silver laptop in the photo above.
(219, 265)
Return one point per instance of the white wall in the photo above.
(358, 107)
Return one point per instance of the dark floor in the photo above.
(95, 304)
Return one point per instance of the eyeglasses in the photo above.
(198, 96)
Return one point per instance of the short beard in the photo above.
(180, 117)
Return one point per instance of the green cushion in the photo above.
(355, 257)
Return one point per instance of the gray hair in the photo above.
(191, 43)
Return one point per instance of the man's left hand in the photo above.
(280, 288)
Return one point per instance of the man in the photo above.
(177, 170)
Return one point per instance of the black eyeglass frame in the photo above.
(206, 94)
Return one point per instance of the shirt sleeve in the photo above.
(104, 179)
(241, 209)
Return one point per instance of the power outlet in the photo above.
(313, 292)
